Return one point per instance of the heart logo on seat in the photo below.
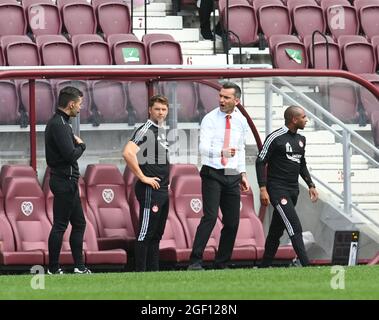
(108, 195)
(27, 208)
(196, 205)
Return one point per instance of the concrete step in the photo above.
(158, 23)
(203, 45)
(358, 188)
(370, 175)
(328, 150)
(318, 137)
(206, 60)
(153, 9)
(183, 35)
(318, 164)
(317, 159)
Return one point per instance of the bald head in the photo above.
(292, 112)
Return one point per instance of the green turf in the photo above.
(361, 282)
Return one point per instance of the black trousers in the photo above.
(154, 205)
(284, 217)
(218, 190)
(205, 11)
(66, 208)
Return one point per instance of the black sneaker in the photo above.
(195, 267)
(83, 270)
(58, 271)
(220, 266)
(206, 34)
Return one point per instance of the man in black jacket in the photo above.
(284, 153)
(63, 149)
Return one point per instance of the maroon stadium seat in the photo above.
(2, 57)
(9, 103)
(106, 196)
(335, 59)
(123, 48)
(78, 16)
(90, 246)
(334, 9)
(113, 16)
(138, 98)
(173, 246)
(8, 254)
(242, 21)
(208, 97)
(279, 44)
(162, 49)
(15, 170)
(273, 17)
(110, 100)
(44, 99)
(369, 101)
(26, 212)
(375, 128)
(12, 18)
(20, 51)
(187, 201)
(91, 49)
(343, 102)
(357, 53)
(368, 12)
(55, 50)
(375, 45)
(86, 109)
(185, 94)
(307, 17)
(34, 9)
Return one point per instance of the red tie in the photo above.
(224, 160)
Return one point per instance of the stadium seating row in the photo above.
(104, 101)
(301, 17)
(76, 16)
(111, 211)
(89, 49)
(351, 52)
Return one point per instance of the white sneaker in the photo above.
(58, 271)
(82, 271)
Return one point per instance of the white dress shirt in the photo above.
(212, 131)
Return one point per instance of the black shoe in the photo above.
(195, 267)
(206, 34)
(220, 266)
(218, 30)
(82, 270)
(57, 271)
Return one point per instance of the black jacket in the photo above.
(284, 153)
(62, 151)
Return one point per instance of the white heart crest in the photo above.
(27, 208)
(196, 205)
(108, 195)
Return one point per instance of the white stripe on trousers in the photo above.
(285, 220)
(146, 214)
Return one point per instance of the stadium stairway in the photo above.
(195, 51)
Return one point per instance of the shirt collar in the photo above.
(153, 123)
(63, 114)
(223, 114)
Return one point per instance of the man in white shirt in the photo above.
(223, 175)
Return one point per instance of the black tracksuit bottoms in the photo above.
(284, 217)
(218, 190)
(154, 205)
(66, 208)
